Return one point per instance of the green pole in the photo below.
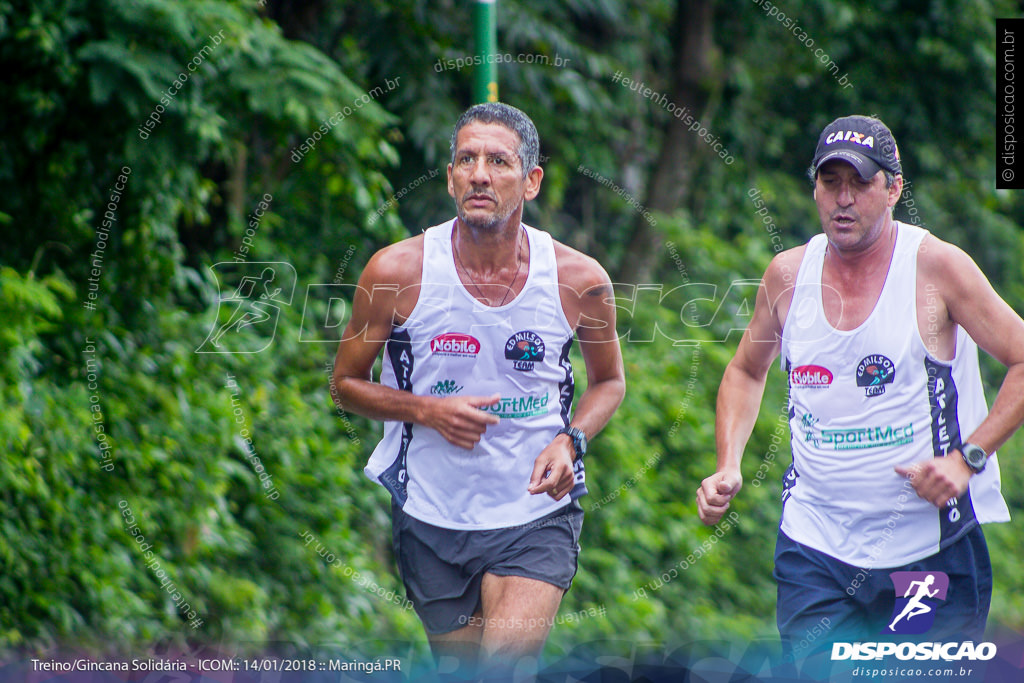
(485, 79)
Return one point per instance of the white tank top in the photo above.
(454, 345)
(865, 400)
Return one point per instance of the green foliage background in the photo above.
(89, 73)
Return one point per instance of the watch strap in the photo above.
(578, 438)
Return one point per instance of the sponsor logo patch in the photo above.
(867, 437)
(874, 372)
(445, 387)
(853, 438)
(454, 344)
(519, 406)
(524, 349)
(851, 136)
(810, 377)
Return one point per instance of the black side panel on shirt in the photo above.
(395, 478)
(957, 517)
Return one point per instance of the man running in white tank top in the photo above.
(482, 453)
(893, 469)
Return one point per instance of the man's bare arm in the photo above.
(599, 344)
(970, 301)
(742, 387)
(588, 302)
(996, 328)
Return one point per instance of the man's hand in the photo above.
(552, 470)
(714, 495)
(939, 479)
(459, 418)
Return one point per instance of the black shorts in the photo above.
(823, 600)
(442, 568)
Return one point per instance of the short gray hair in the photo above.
(510, 117)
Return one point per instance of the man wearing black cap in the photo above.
(894, 469)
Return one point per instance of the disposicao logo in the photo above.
(917, 595)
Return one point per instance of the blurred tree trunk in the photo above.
(669, 182)
(298, 20)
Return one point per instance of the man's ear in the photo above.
(533, 179)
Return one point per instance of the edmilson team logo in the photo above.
(874, 372)
(917, 594)
(455, 344)
(524, 349)
(810, 377)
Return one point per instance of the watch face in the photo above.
(579, 440)
(975, 457)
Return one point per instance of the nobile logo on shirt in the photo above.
(455, 344)
(917, 595)
(810, 377)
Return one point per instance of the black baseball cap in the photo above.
(863, 141)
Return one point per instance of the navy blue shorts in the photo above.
(822, 600)
(442, 569)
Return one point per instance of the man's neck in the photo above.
(488, 251)
(856, 263)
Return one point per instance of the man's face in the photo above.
(486, 179)
(853, 210)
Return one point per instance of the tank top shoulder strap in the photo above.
(543, 267)
(810, 266)
(897, 300)
(908, 242)
(438, 258)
